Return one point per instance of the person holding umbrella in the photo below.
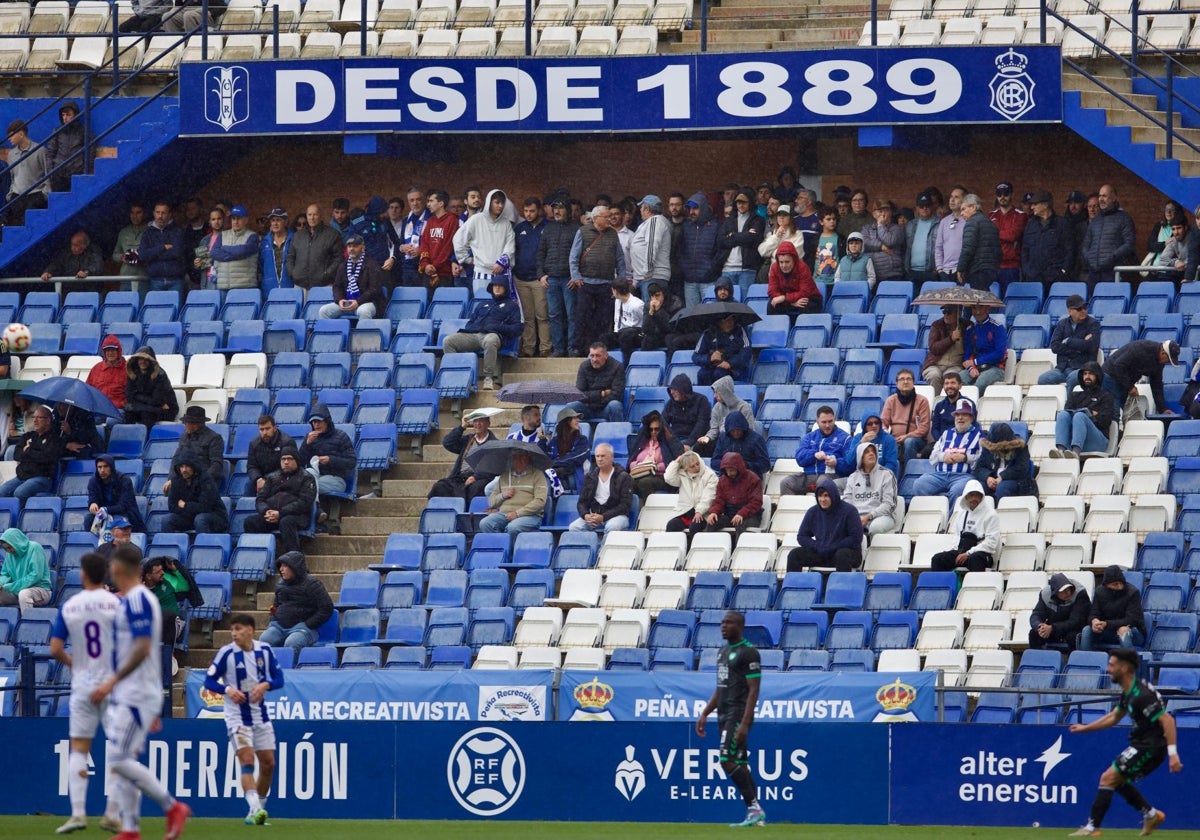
(37, 454)
(518, 500)
(723, 350)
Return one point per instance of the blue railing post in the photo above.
(1170, 108)
(703, 26)
(275, 30)
(116, 49)
(1133, 50)
(86, 116)
(874, 23)
(1042, 17)
(528, 28)
(204, 30)
(362, 32)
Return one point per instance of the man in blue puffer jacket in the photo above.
(698, 249)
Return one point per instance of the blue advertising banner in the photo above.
(785, 698)
(383, 695)
(710, 91)
(1024, 775)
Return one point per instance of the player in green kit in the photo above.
(739, 675)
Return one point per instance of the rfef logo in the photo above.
(486, 772)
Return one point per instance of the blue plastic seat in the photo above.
(118, 306)
(810, 330)
(783, 438)
(934, 591)
(1023, 298)
(317, 297)
(284, 335)
(216, 588)
(818, 366)
(329, 335)
(771, 331)
(210, 552)
(457, 377)
(1029, 331)
(892, 297)
(1166, 592)
(1161, 553)
(361, 656)
(406, 658)
(781, 403)
(1182, 439)
(1173, 633)
(488, 551)
(330, 370)
(672, 659)
(358, 626)
(899, 330)
(446, 626)
(754, 591)
(866, 400)
(629, 659)
(245, 336)
(888, 591)
(863, 366)
(804, 630)
(855, 330)
(404, 627)
(418, 411)
(490, 626)
(850, 629)
(851, 660)
(45, 339)
(414, 370)
(448, 302)
(1117, 330)
(576, 549)
(820, 396)
(160, 307)
(81, 338)
(996, 708)
(799, 590)
(844, 591)
(801, 659)
(288, 370)
(616, 434)
(282, 304)
(1110, 298)
(646, 368)
(316, 659)
(406, 302)
(848, 296)
(1163, 326)
(254, 556)
(359, 588)
(39, 308)
(894, 630)
(400, 590)
(911, 358)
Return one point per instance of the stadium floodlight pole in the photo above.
(528, 28)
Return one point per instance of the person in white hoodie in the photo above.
(483, 238)
(725, 400)
(978, 528)
(872, 489)
(697, 485)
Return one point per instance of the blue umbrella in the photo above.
(71, 391)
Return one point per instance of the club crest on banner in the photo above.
(226, 96)
(1012, 87)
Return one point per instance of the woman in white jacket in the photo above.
(697, 485)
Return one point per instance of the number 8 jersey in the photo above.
(86, 623)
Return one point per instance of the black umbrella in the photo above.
(493, 457)
(958, 296)
(538, 392)
(703, 315)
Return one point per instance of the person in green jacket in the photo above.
(25, 574)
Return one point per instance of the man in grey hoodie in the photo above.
(724, 402)
(1061, 612)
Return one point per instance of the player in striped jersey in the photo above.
(244, 671)
(136, 692)
(85, 622)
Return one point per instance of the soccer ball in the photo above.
(16, 338)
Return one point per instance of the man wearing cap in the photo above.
(1117, 617)
(945, 354)
(650, 251)
(284, 502)
(975, 522)
(26, 167)
(1048, 247)
(985, 350)
(112, 492)
(1084, 424)
(518, 501)
(1062, 610)
(200, 444)
(954, 456)
(948, 246)
(78, 259)
(262, 458)
(37, 454)
(64, 148)
(1010, 221)
(463, 482)
(162, 251)
(235, 253)
(1109, 240)
(1130, 362)
(315, 252)
(333, 451)
(273, 259)
(1075, 340)
(359, 286)
(698, 260)
(494, 322)
(979, 259)
(737, 243)
(554, 271)
(920, 250)
(122, 532)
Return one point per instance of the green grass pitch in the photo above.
(42, 827)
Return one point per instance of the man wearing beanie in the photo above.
(285, 502)
(1117, 617)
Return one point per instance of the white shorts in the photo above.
(85, 715)
(257, 736)
(127, 728)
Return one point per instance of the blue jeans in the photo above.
(1089, 637)
(617, 523)
(497, 523)
(1075, 428)
(560, 302)
(912, 448)
(743, 278)
(987, 377)
(166, 284)
(614, 412)
(1054, 376)
(299, 636)
(1119, 396)
(332, 310)
(39, 485)
(693, 293)
(945, 484)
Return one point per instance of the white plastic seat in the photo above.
(1145, 476)
(438, 43)
(1119, 37)
(898, 661)
(1099, 477)
(289, 15)
(927, 515)
(906, 10)
(626, 628)
(538, 627)
(477, 41)
(350, 17)
(928, 545)
(557, 41)
(205, 370)
(1033, 30)
(540, 658)
(990, 9)
(474, 13)
(317, 15)
(162, 54)
(245, 370)
(352, 46)
(596, 40)
(671, 16)
(495, 658)
(1021, 553)
(37, 368)
(789, 513)
(78, 367)
(553, 13)
(214, 401)
(1057, 477)
(1140, 439)
(921, 33)
(666, 591)
(754, 553)
(591, 13)
(951, 9)
(1118, 549)
(1018, 514)
(638, 40)
(965, 32)
(583, 627)
(579, 588)
(14, 53)
(1002, 31)
(434, 14)
(710, 552)
(14, 18)
(659, 508)
(988, 628)
(620, 550)
(979, 591)
(130, 51)
(887, 553)
(241, 14)
(1022, 591)
(887, 33)
(509, 13)
(940, 630)
(194, 50)
(1081, 42)
(49, 17)
(1075, 8)
(90, 17)
(321, 45)
(46, 53)
(1042, 402)
(952, 664)
(631, 13)
(397, 43)
(1068, 553)
(397, 14)
(1168, 32)
(1107, 514)
(1152, 513)
(584, 659)
(242, 48)
(1061, 515)
(990, 669)
(622, 588)
(1000, 404)
(1041, 440)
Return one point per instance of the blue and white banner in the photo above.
(784, 698)
(710, 91)
(386, 695)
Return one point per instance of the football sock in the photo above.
(1134, 797)
(745, 783)
(1100, 806)
(142, 779)
(77, 783)
(252, 800)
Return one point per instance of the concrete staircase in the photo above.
(752, 25)
(367, 524)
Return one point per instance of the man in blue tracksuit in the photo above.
(820, 453)
(985, 347)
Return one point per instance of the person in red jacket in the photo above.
(437, 262)
(108, 375)
(790, 286)
(739, 500)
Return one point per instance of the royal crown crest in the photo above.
(593, 695)
(896, 697)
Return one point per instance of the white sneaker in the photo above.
(1085, 831)
(112, 824)
(73, 824)
(489, 384)
(1152, 821)
(1056, 452)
